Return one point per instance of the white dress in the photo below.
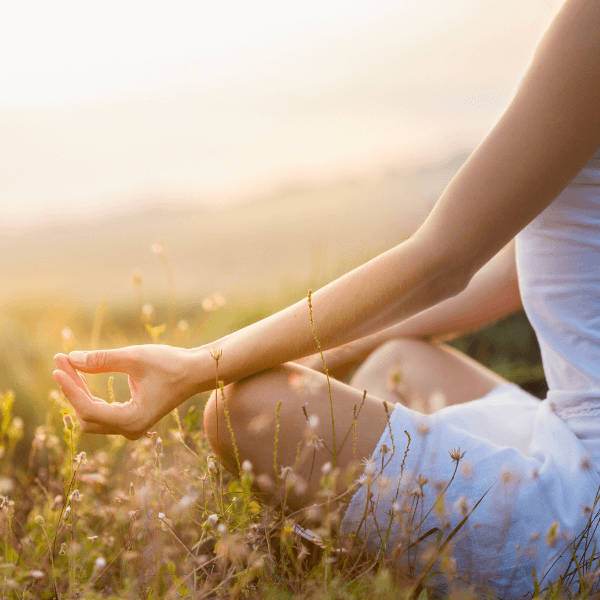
(531, 463)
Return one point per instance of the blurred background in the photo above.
(199, 164)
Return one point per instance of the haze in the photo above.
(107, 104)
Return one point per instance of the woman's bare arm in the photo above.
(547, 134)
(492, 294)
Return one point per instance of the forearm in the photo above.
(391, 287)
(492, 294)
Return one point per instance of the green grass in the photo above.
(95, 517)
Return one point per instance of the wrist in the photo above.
(199, 370)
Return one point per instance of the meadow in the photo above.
(85, 516)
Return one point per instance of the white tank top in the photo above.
(558, 260)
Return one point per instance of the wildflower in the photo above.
(57, 502)
(303, 554)
(134, 515)
(455, 454)
(159, 448)
(326, 468)
(417, 493)
(216, 353)
(92, 538)
(421, 481)
(313, 421)
(99, 563)
(81, 459)
(208, 305)
(63, 549)
(147, 312)
(36, 574)
(553, 534)
(67, 513)
(68, 421)
(212, 466)
(40, 520)
(222, 528)
(285, 472)
(76, 496)
(587, 509)
(384, 449)
(369, 466)
(247, 466)
(423, 429)
(219, 300)
(396, 507)
(462, 506)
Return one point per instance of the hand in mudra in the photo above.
(158, 380)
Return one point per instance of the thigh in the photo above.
(283, 418)
(423, 376)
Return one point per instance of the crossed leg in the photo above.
(274, 399)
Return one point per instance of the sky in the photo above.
(108, 103)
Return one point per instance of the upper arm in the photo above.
(547, 134)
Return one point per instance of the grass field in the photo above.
(86, 516)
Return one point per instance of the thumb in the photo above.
(122, 360)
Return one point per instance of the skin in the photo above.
(544, 138)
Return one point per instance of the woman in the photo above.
(531, 462)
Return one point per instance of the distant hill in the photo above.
(295, 231)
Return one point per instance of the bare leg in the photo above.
(252, 406)
(423, 376)
(252, 403)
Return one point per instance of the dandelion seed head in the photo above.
(222, 528)
(369, 466)
(99, 563)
